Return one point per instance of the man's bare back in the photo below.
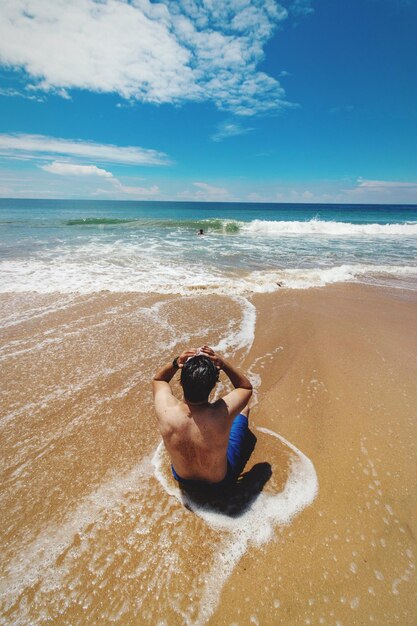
(196, 432)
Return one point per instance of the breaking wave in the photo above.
(277, 228)
(330, 228)
(67, 275)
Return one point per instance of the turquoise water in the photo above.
(84, 246)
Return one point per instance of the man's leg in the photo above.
(241, 443)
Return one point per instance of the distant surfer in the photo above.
(205, 440)
(200, 232)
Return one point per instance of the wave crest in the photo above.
(322, 227)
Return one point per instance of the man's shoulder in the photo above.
(219, 407)
(167, 408)
(173, 411)
(174, 420)
(216, 412)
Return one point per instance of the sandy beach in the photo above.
(240, 175)
(93, 527)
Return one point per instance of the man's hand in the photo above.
(216, 358)
(184, 356)
(204, 351)
(237, 378)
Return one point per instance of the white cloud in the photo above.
(120, 191)
(40, 146)
(229, 129)
(301, 8)
(258, 197)
(206, 193)
(116, 188)
(307, 195)
(74, 182)
(349, 191)
(10, 92)
(381, 185)
(297, 195)
(382, 191)
(170, 51)
(285, 194)
(138, 192)
(73, 169)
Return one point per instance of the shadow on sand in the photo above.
(236, 498)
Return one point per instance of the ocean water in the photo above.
(87, 246)
(95, 530)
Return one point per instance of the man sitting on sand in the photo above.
(204, 439)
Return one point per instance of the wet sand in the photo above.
(92, 530)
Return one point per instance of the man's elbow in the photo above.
(156, 384)
(247, 393)
(248, 387)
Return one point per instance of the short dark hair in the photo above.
(198, 377)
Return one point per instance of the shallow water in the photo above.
(89, 532)
(85, 246)
(92, 531)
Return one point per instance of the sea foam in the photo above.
(243, 337)
(92, 275)
(254, 526)
(332, 228)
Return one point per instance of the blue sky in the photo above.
(232, 100)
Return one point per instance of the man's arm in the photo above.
(237, 399)
(165, 373)
(160, 384)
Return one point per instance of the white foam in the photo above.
(256, 525)
(307, 278)
(243, 337)
(268, 510)
(69, 274)
(62, 393)
(38, 558)
(254, 377)
(322, 227)
(97, 271)
(30, 314)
